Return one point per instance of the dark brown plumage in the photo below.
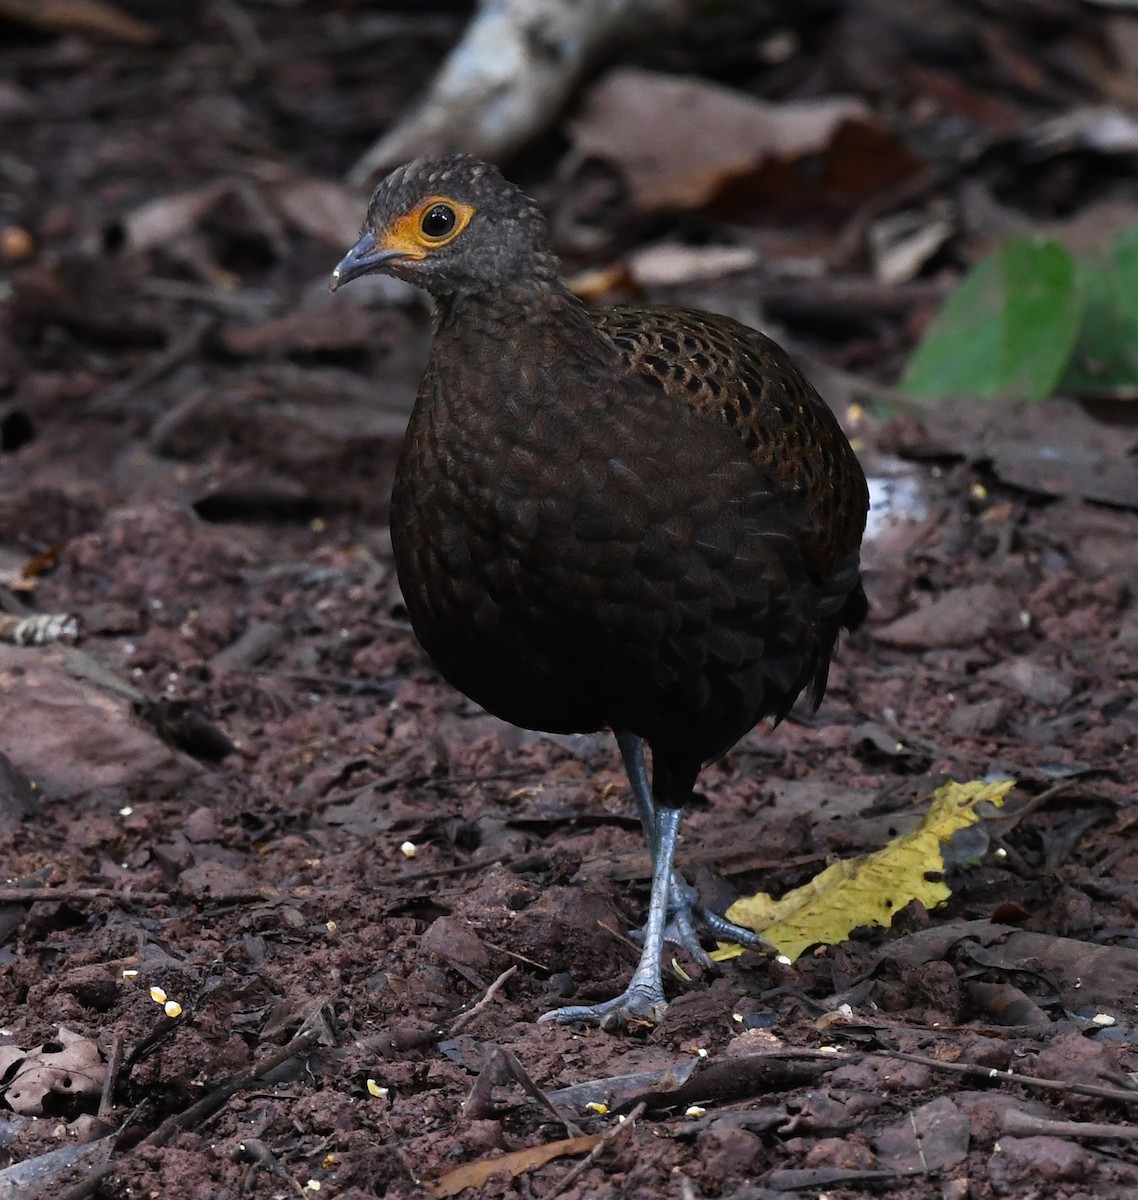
(639, 518)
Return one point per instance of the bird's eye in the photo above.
(438, 221)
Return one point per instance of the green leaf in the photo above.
(1105, 359)
(1008, 330)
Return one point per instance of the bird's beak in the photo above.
(364, 256)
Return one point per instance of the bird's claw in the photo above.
(636, 1005)
(687, 918)
(727, 931)
(680, 932)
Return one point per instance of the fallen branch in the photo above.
(511, 73)
(1025, 1125)
(37, 895)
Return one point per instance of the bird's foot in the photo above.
(687, 919)
(682, 931)
(727, 931)
(639, 1004)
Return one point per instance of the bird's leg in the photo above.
(632, 752)
(643, 999)
(679, 930)
(685, 913)
(673, 909)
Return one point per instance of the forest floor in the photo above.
(246, 786)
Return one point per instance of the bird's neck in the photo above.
(515, 335)
(508, 308)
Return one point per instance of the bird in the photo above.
(641, 519)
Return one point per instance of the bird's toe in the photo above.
(635, 1006)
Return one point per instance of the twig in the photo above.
(250, 303)
(1121, 1081)
(503, 1067)
(1024, 1124)
(304, 1041)
(998, 1076)
(1004, 822)
(34, 895)
(164, 1027)
(671, 965)
(254, 1150)
(463, 1019)
(111, 398)
(445, 872)
(612, 1135)
(530, 962)
(110, 1080)
(620, 936)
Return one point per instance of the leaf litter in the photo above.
(199, 455)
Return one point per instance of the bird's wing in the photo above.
(735, 375)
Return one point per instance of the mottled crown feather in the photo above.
(461, 176)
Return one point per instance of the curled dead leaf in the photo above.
(473, 1175)
(71, 1066)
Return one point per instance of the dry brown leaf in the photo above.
(9, 1056)
(321, 208)
(933, 1137)
(595, 283)
(959, 617)
(70, 1067)
(678, 141)
(317, 327)
(72, 730)
(475, 1174)
(1053, 447)
(82, 17)
(1084, 973)
(167, 218)
(903, 242)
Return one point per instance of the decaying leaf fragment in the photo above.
(82, 17)
(37, 629)
(70, 1067)
(869, 890)
(474, 1175)
(678, 141)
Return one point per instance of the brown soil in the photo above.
(248, 787)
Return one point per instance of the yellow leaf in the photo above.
(868, 890)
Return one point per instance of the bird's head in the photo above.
(454, 226)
